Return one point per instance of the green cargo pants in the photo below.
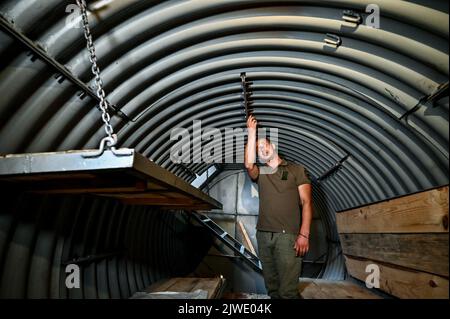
(281, 266)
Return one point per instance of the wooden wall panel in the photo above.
(402, 282)
(418, 213)
(407, 237)
(426, 252)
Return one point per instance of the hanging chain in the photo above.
(111, 138)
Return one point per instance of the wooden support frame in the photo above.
(246, 239)
(133, 179)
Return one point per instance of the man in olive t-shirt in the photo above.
(282, 229)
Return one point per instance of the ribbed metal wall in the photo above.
(168, 63)
(131, 246)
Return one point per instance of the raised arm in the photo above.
(250, 149)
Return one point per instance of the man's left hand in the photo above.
(301, 245)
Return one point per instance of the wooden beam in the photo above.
(327, 289)
(150, 195)
(78, 184)
(401, 282)
(246, 239)
(179, 203)
(425, 252)
(424, 212)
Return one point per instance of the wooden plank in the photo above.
(356, 291)
(162, 285)
(45, 177)
(401, 282)
(151, 185)
(418, 213)
(246, 240)
(345, 290)
(309, 290)
(166, 203)
(172, 284)
(243, 295)
(425, 252)
(159, 201)
(188, 284)
(149, 195)
(327, 289)
(75, 184)
(212, 285)
(184, 284)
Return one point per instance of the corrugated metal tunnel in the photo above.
(363, 107)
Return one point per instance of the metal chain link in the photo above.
(112, 138)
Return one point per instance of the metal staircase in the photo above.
(228, 240)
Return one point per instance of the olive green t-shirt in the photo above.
(279, 199)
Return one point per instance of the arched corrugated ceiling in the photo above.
(168, 63)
